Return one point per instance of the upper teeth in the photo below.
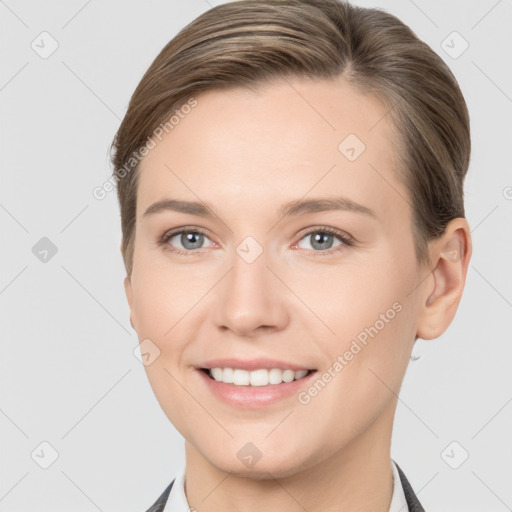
(261, 377)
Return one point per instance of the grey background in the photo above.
(68, 374)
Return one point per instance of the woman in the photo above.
(290, 178)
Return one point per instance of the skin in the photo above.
(248, 153)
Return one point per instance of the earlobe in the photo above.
(451, 255)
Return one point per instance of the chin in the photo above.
(247, 461)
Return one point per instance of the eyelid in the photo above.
(328, 229)
(177, 231)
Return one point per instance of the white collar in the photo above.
(177, 501)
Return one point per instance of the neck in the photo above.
(357, 477)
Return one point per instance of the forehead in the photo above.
(249, 149)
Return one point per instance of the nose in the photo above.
(251, 299)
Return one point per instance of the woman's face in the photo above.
(256, 279)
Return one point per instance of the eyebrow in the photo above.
(293, 208)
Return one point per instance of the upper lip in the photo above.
(252, 364)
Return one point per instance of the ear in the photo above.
(128, 293)
(450, 257)
(128, 290)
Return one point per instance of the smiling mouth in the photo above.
(260, 377)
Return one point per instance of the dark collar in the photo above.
(412, 501)
(159, 504)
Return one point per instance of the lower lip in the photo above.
(254, 397)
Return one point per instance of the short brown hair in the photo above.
(247, 43)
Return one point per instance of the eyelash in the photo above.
(344, 238)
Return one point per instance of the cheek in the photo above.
(163, 302)
(163, 293)
(153, 310)
(350, 296)
(366, 367)
(168, 307)
(369, 316)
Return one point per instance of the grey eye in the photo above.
(320, 240)
(189, 240)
